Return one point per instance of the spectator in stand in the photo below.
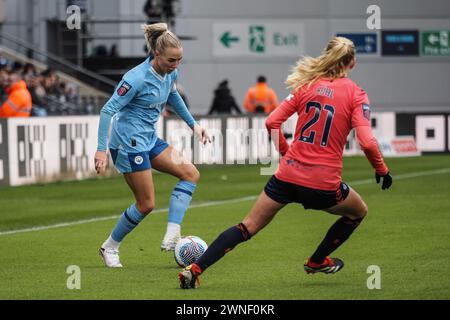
(29, 70)
(71, 91)
(260, 98)
(152, 11)
(4, 62)
(3, 84)
(50, 81)
(113, 52)
(62, 89)
(18, 103)
(223, 102)
(17, 67)
(37, 91)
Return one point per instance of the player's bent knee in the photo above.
(364, 210)
(359, 211)
(145, 208)
(196, 176)
(192, 175)
(360, 214)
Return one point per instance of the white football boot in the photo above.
(110, 257)
(171, 237)
(170, 241)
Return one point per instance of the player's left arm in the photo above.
(182, 111)
(180, 108)
(178, 104)
(368, 143)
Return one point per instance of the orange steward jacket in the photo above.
(18, 103)
(260, 95)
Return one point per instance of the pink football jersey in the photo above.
(327, 111)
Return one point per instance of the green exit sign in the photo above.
(436, 43)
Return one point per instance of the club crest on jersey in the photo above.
(366, 111)
(138, 160)
(123, 89)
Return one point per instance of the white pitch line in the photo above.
(215, 203)
(404, 176)
(72, 223)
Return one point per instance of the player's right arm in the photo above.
(368, 143)
(123, 94)
(273, 123)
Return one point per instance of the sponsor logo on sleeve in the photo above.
(366, 111)
(123, 89)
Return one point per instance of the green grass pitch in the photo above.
(406, 234)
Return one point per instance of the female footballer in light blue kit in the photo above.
(135, 148)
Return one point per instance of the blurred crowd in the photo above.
(24, 91)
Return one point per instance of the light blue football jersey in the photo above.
(137, 104)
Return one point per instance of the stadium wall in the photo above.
(4, 164)
(394, 83)
(46, 149)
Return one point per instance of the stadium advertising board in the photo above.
(4, 169)
(448, 133)
(430, 133)
(365, 43)
(400, 42)
(45, 149)
(402, 146)
(41, 149)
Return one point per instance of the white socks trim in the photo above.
(173, 228)
(110, 243)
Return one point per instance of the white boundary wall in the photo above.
(44, 149)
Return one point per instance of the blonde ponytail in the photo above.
(332, 63)
(158, 37)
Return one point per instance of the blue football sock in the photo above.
(179, 200)
(127, 222)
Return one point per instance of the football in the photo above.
(188, 250)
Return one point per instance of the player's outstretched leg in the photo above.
(171, 161)
(261, 214)
(179, 202)
(141, 183)
(226, 241)
(353, 210)
(109, 250)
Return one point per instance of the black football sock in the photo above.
(226, 241)
(336, 235)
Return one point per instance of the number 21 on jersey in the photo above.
(317, 108)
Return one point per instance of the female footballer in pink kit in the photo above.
(328, 105)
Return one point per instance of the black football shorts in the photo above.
(285, 192)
